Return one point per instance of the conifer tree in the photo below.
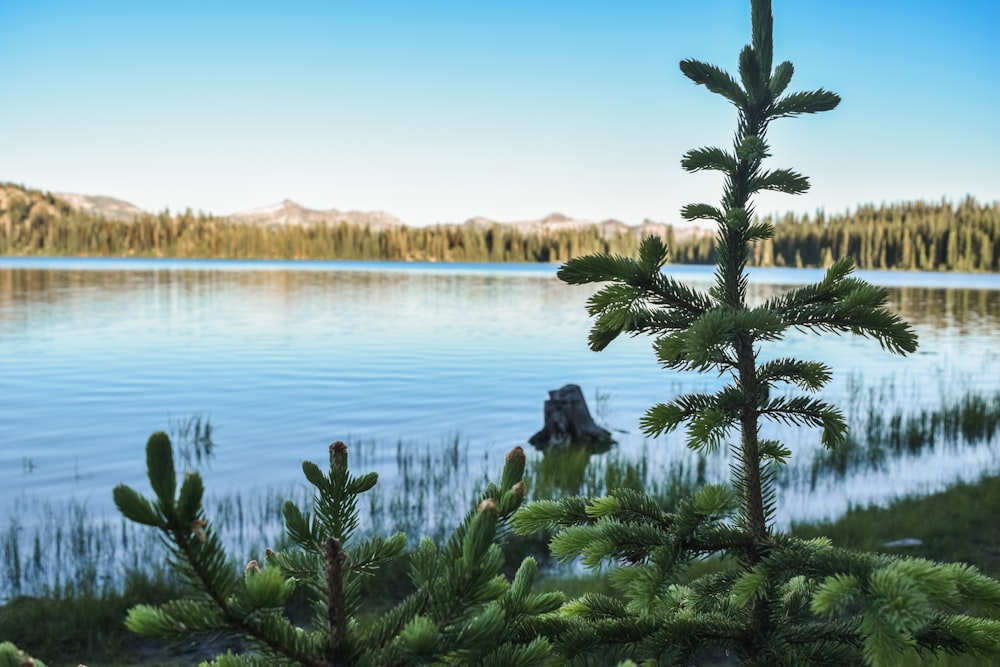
(11, 656)
(463, 611)
(786, 601)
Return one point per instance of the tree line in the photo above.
(915, 235)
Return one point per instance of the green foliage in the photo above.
(784, 601)
(11, 656)
(974, 419)
(957, 524)
(462, 611)
(34, 223)
(918, 235)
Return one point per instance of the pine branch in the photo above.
(809, 375)
(715, 79)
(702, 212)
(794, 104)
(780, 180)
(780, 79)
(708, 158)
(807, 411)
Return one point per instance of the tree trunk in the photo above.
(568, 422)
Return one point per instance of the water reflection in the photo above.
(96, 355)
(963, 309)
(563, 470)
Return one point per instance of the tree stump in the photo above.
(568, 422)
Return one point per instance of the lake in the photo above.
(285, 357)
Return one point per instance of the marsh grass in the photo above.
(877, 436)
(432, 486)
(70, 574)
(192, 437)
(579, 471)
(66, 550)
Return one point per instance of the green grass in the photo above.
(959, 524)
(877, 436)
(73, 628)
(956, 525)
(67, 595)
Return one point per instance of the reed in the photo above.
(64, 550)
(68, 550)
(878, 437)
(193, 435)
(72, 562)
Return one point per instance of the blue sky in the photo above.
(437, 112)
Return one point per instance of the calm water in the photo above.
(286, 357)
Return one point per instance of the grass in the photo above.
(877, 436)
(958, 524)
(66, 551)
(66, 596)
(65, 628)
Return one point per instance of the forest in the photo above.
(924, 236)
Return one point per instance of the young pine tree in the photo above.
(787, 601)
(463, 611)
(11, 656)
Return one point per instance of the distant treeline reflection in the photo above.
(938, 307)
(919, 235)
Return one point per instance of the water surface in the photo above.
(284, 357)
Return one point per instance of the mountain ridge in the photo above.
(289, 213)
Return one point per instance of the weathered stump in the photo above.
(568, 423)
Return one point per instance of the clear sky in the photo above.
(440, 111)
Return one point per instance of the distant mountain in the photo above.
(910, 235)
(555, 222)
(289, 213)
(98, 206)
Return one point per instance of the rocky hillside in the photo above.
(101, 207)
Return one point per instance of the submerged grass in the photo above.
(66, 549)
(877, 436)
(69, 576)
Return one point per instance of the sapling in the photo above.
(780, 600)
(462, 609)
(11, 656)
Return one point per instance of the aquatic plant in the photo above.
(787, 601)
(971, 421)
(193, 438)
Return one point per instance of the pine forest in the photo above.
(921, 236)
